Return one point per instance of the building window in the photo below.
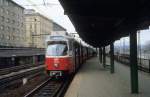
(8, 28)
(7, 12)
(2, 36)
(31, 27)
(13, 21)
(7, 20)
(6, 2)
(7, 37)
(17, 38)
(2, 27)
(2, 18)
(35, 27)
(17, 31)
(13, 37)
(9, 3)
(1, 2)
(16, 8)
(22, 18)
(17, 23)
(13, 30)
(2, 10)
(13, 14)
(21, 24)
(35, 19)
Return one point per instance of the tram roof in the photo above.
(58, 37)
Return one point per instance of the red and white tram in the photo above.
(64, 55)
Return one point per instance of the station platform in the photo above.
(93, 80)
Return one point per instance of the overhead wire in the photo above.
(44, 2)
(34, 4)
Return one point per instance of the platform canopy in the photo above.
(100, 22)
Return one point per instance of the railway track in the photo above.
(50, 88)
(17, 68)
(9, 78)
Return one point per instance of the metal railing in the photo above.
(143, 64)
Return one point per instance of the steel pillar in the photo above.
(104, 58)
(133, 63)
(112, 58)
(34, 60)
(81, 54)
(13, 59)
(100, 55)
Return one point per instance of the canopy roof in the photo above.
(100, 22)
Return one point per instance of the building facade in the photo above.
(37, 28)
(58, 30)
(12, 28)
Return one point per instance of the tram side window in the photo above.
(77, 51)
(70, 45)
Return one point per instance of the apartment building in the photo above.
(12, 28)
(37, 28)
(58, 29)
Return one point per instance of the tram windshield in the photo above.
(57, 48)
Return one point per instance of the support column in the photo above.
(112, 57)
(13, 59)
(100, 54)
(104, 58)
(81, 54)
(133, 63)
(87, 53)
(34, 60)
(96, 49)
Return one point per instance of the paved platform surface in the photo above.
(93, 80)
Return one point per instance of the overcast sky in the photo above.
(144, 38)
(53, 11)
(56, 13)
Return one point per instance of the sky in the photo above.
(55, 12)
(52, 10)
(144, 38)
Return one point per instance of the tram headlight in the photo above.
(56, 65)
